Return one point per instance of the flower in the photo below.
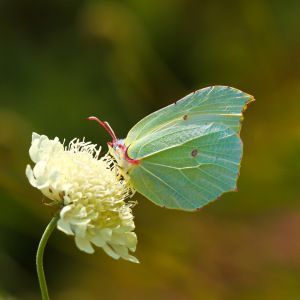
(90, 192)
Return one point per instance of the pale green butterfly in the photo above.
(188, 153)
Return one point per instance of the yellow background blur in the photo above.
(62, 61)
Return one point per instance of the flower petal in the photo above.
(131, 240)
(110, 252)
(64, 226)
(30, 176)
(106, 233)
(98, 240)
(132, 259)
(80, 231)
(84, 245)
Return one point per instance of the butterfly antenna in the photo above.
(113, 134)
(106, 126)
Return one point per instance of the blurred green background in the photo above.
(62, 61)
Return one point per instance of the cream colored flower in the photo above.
(90, 192)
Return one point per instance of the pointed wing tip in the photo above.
(249, 97)
(249, 100)
(224, 87)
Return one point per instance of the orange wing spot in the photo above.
(194, 153)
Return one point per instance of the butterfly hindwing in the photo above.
(199, 165)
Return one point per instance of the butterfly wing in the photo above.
(198, 164)
(218, 104)
(189, 151)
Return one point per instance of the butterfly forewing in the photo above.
(219, 104)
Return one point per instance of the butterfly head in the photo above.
(118, 150)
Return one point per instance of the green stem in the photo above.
(40, 254)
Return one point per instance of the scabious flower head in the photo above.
(89, 191)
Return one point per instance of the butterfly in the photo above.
(187, 154)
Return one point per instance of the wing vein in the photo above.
(215, 179)
(167, 186)
(198, 186)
